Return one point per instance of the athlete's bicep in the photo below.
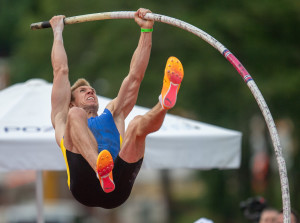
(59, 126)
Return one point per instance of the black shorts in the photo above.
(86, 188)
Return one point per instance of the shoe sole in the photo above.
(105, 165)
(174, 72)
(107, 184)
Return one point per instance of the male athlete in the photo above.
(96, 147)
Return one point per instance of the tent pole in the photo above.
(39, 196)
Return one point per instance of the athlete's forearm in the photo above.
(58, 55)
(129, 89)
(141, 56)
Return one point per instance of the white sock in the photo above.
(160, 100)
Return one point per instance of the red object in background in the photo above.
(260, 170)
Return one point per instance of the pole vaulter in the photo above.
(230, 57)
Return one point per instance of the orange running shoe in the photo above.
(105, 165)
(172, 80)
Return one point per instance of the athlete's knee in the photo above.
(76, 114)
(134, 126)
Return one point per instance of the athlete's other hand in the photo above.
(139, 17)
(57, 23)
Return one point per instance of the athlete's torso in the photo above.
(106, 133)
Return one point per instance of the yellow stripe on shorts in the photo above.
(64, 151)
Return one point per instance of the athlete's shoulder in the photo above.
(111, 106)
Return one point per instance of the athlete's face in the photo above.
(85, 97)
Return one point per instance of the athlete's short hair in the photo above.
(80, 82)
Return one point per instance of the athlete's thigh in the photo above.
(78, 116)
(68, 140)
(133, 146)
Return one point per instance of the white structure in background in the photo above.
(204, 220)
(27, 138)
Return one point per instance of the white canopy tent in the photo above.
(27, 137)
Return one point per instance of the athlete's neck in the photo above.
(91, 111)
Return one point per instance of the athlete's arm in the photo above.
(126, 99)
(61, 90)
